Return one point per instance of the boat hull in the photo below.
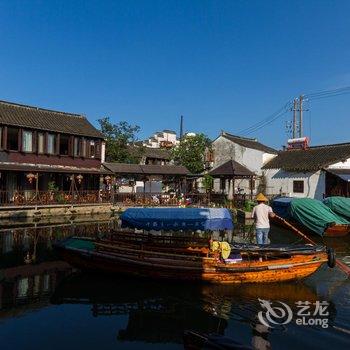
(331, 231)
(195, 269)
(337, 231)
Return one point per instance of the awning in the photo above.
(344, 174)
(178, 219)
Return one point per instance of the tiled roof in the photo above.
(45, 119)
(248, 143)
(148, 169)
(231, 168)
(311, 159)
(149, 152)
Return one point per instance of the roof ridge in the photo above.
(332, 145)
(223, 133)
(42, 109)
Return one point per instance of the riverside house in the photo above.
(313, 172)
(44, 151)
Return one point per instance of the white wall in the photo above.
(278, 180)
(252, 159)
(341, 165)
(156, 187)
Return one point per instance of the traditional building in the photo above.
(247, 156)
(42, 149)
(314, 172)
(148, 155)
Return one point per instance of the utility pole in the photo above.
(295, 105)
(301, 116)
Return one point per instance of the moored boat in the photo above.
(194, 262)
(311, 214)
(340, 205)
(191, 258)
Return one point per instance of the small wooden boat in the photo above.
(311, 214)
(340, 205)
(333, 230)
(190, 258)
(164, 257)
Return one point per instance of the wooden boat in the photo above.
(333, 230)
(178, 258)
(309, 215)
(190, 258)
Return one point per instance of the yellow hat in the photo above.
(261, 198)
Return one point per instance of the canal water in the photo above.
(45, 304)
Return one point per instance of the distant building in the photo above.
(162, 139)
(247, 154)
(314, 172)
(150, 155)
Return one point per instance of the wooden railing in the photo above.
(30, 198)
(158, 199)
(33, 198)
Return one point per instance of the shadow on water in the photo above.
(45, 304)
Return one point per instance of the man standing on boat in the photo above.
(261, 215)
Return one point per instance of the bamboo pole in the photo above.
(294, 229)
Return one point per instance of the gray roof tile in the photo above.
(311, 159)
(45, 119)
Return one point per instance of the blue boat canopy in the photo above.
(178, 219)
(280, 206)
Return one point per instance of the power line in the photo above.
(267, 120)
(282, 113)
(328, 93)
(318, 95)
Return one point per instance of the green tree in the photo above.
(119, 137)
(208, 182)
(191, 152)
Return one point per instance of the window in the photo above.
(51, 144)
(64, 145)
(298, 186)
(0, 137)
(98, 150)
(77, 148)
(83, 148)
(40, 143)
(92, 149)
(27, 141)
(12, 139)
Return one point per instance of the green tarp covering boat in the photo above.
(340, 205)
(315, 215)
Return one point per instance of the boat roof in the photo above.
(205, 219)
(283, 200)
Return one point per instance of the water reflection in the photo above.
(162, 312)
(32, 278)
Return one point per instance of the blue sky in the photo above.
(222, 64)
